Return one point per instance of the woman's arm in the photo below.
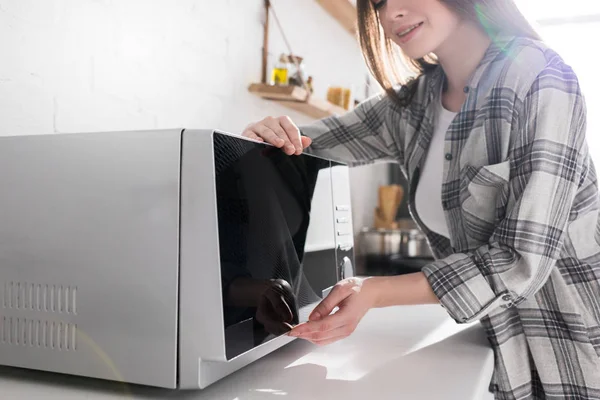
(401, 290)
(380, 292)
(550, 160)
(366, 134)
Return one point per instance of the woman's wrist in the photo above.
(409, 289)
(370, 288)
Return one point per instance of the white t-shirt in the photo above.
(428, 199)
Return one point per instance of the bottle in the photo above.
(280, 72)
(297, 71)
(309, 84)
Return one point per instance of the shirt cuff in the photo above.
(463, 290)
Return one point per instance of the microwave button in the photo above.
(345, 246)
(342, 208)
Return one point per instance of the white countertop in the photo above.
(414, 352)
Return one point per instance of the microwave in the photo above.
(168, 258)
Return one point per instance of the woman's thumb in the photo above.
(306, 141)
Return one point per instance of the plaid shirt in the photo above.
(520, 196)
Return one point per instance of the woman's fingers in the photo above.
(327, 330)
(280, 132)
(324, 337)
(330, 327)
(323, 327)
(275, 125)
(292, 132)
(268, 135)
(254, 136)
(338, 294)
(306, 141)
(308, 329)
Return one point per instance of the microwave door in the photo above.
(270, 282)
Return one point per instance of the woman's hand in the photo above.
(354, 297)
(280, 132)
(353, 303)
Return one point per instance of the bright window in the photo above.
(551, 9)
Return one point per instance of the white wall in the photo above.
(95, 65)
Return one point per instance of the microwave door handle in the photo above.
(346, 269)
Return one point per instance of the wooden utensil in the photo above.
(390, 197)
(381, 223)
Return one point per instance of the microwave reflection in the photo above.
(264, 208)
(272, 302)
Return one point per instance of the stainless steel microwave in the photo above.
(167, 258)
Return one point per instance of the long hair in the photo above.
(383, 56)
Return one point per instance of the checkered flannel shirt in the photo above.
(520, 197)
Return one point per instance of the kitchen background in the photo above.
(102, 65)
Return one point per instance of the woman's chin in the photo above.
(414, 54)
(413, 51)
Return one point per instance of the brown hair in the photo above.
(382, 55)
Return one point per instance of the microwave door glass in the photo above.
(264, 202)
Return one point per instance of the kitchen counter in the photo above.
(413, 352)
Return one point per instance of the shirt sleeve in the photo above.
(361, 136)
(548, 160)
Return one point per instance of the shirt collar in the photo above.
(498, 46)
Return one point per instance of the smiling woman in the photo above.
(491, 135)
(378, 35)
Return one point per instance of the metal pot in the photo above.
(407, 242)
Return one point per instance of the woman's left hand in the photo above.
(353, 303)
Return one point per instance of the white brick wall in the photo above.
(94, 65)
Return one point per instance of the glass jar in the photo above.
(280, 75)
(297, 70)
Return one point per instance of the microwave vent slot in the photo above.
(40, 297)
(55, 335)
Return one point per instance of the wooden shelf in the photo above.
(344, 11)
(296, 98)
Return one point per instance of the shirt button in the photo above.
(466, 89)
(448, 156)
(506, 298)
